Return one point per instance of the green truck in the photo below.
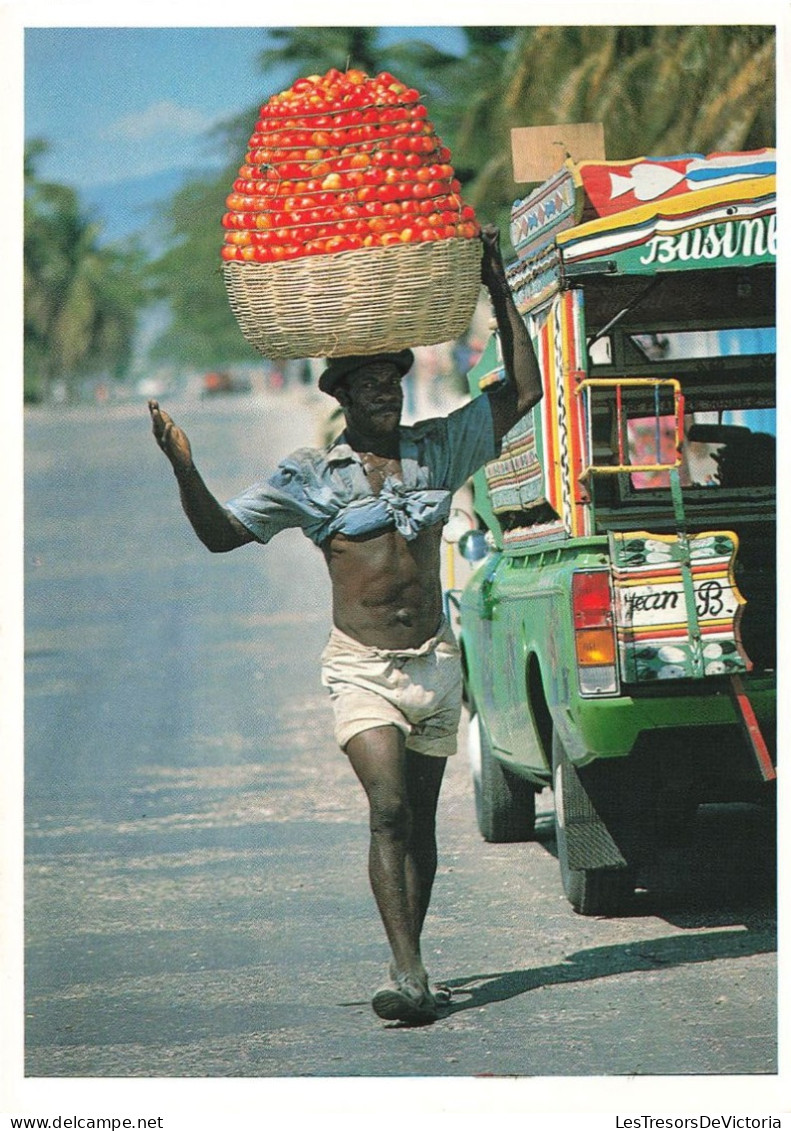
(618, 635)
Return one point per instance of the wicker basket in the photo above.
(357, 302)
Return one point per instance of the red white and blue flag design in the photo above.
(615, 186)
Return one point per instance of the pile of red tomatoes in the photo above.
(341, 162)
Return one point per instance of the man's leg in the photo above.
(402, 789)
(423, 781)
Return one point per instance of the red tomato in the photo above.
(388, 192)
(336, 243)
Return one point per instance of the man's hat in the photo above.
(341, 367)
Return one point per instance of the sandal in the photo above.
(405, 1000)
(441, 992)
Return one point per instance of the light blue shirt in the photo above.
(326, 491)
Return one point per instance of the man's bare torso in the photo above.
(386, 590)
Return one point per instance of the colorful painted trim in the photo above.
(536, 280)
(525, 537)
(562, 357)
(540, 216)
(730, 225)
(516, 480)
(651, 621)
(617, 186)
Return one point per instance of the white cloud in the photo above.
(157, 119)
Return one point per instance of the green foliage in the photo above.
(657, 90)
(81, 301)
(322, 48)
(203, 332)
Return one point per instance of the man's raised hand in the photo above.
(171, 439)
(492, 266)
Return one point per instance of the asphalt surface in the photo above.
(196, 893)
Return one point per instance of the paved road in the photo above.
(196, 895)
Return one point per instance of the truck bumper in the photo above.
(611, 728)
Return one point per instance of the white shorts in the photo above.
(417, 690)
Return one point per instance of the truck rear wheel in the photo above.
(596, 878)
(505, 805)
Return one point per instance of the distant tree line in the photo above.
(658, 90)
(81, 300)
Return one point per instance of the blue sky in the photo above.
(116, 102)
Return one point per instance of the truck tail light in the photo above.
(594, 634)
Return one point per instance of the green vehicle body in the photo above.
(681, 569)
(532, 654)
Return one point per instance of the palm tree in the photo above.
(80, 299)
(657, 90)
(313, 50)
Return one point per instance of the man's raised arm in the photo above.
(217, 529)
(524, 390)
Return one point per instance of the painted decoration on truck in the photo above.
(614, 186)
(560, 348)
(657, 639)
(534, 281)
(515, 481)
(729, 225)
(537, 471)
(541, 215)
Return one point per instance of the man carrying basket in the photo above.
(375, 503)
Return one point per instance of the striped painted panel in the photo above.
(655, 639)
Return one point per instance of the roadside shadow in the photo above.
(608, 961)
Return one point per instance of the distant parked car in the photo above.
(215, 384)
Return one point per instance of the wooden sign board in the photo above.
(539, 151)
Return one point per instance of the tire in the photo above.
(505, 805)
(598, 889)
